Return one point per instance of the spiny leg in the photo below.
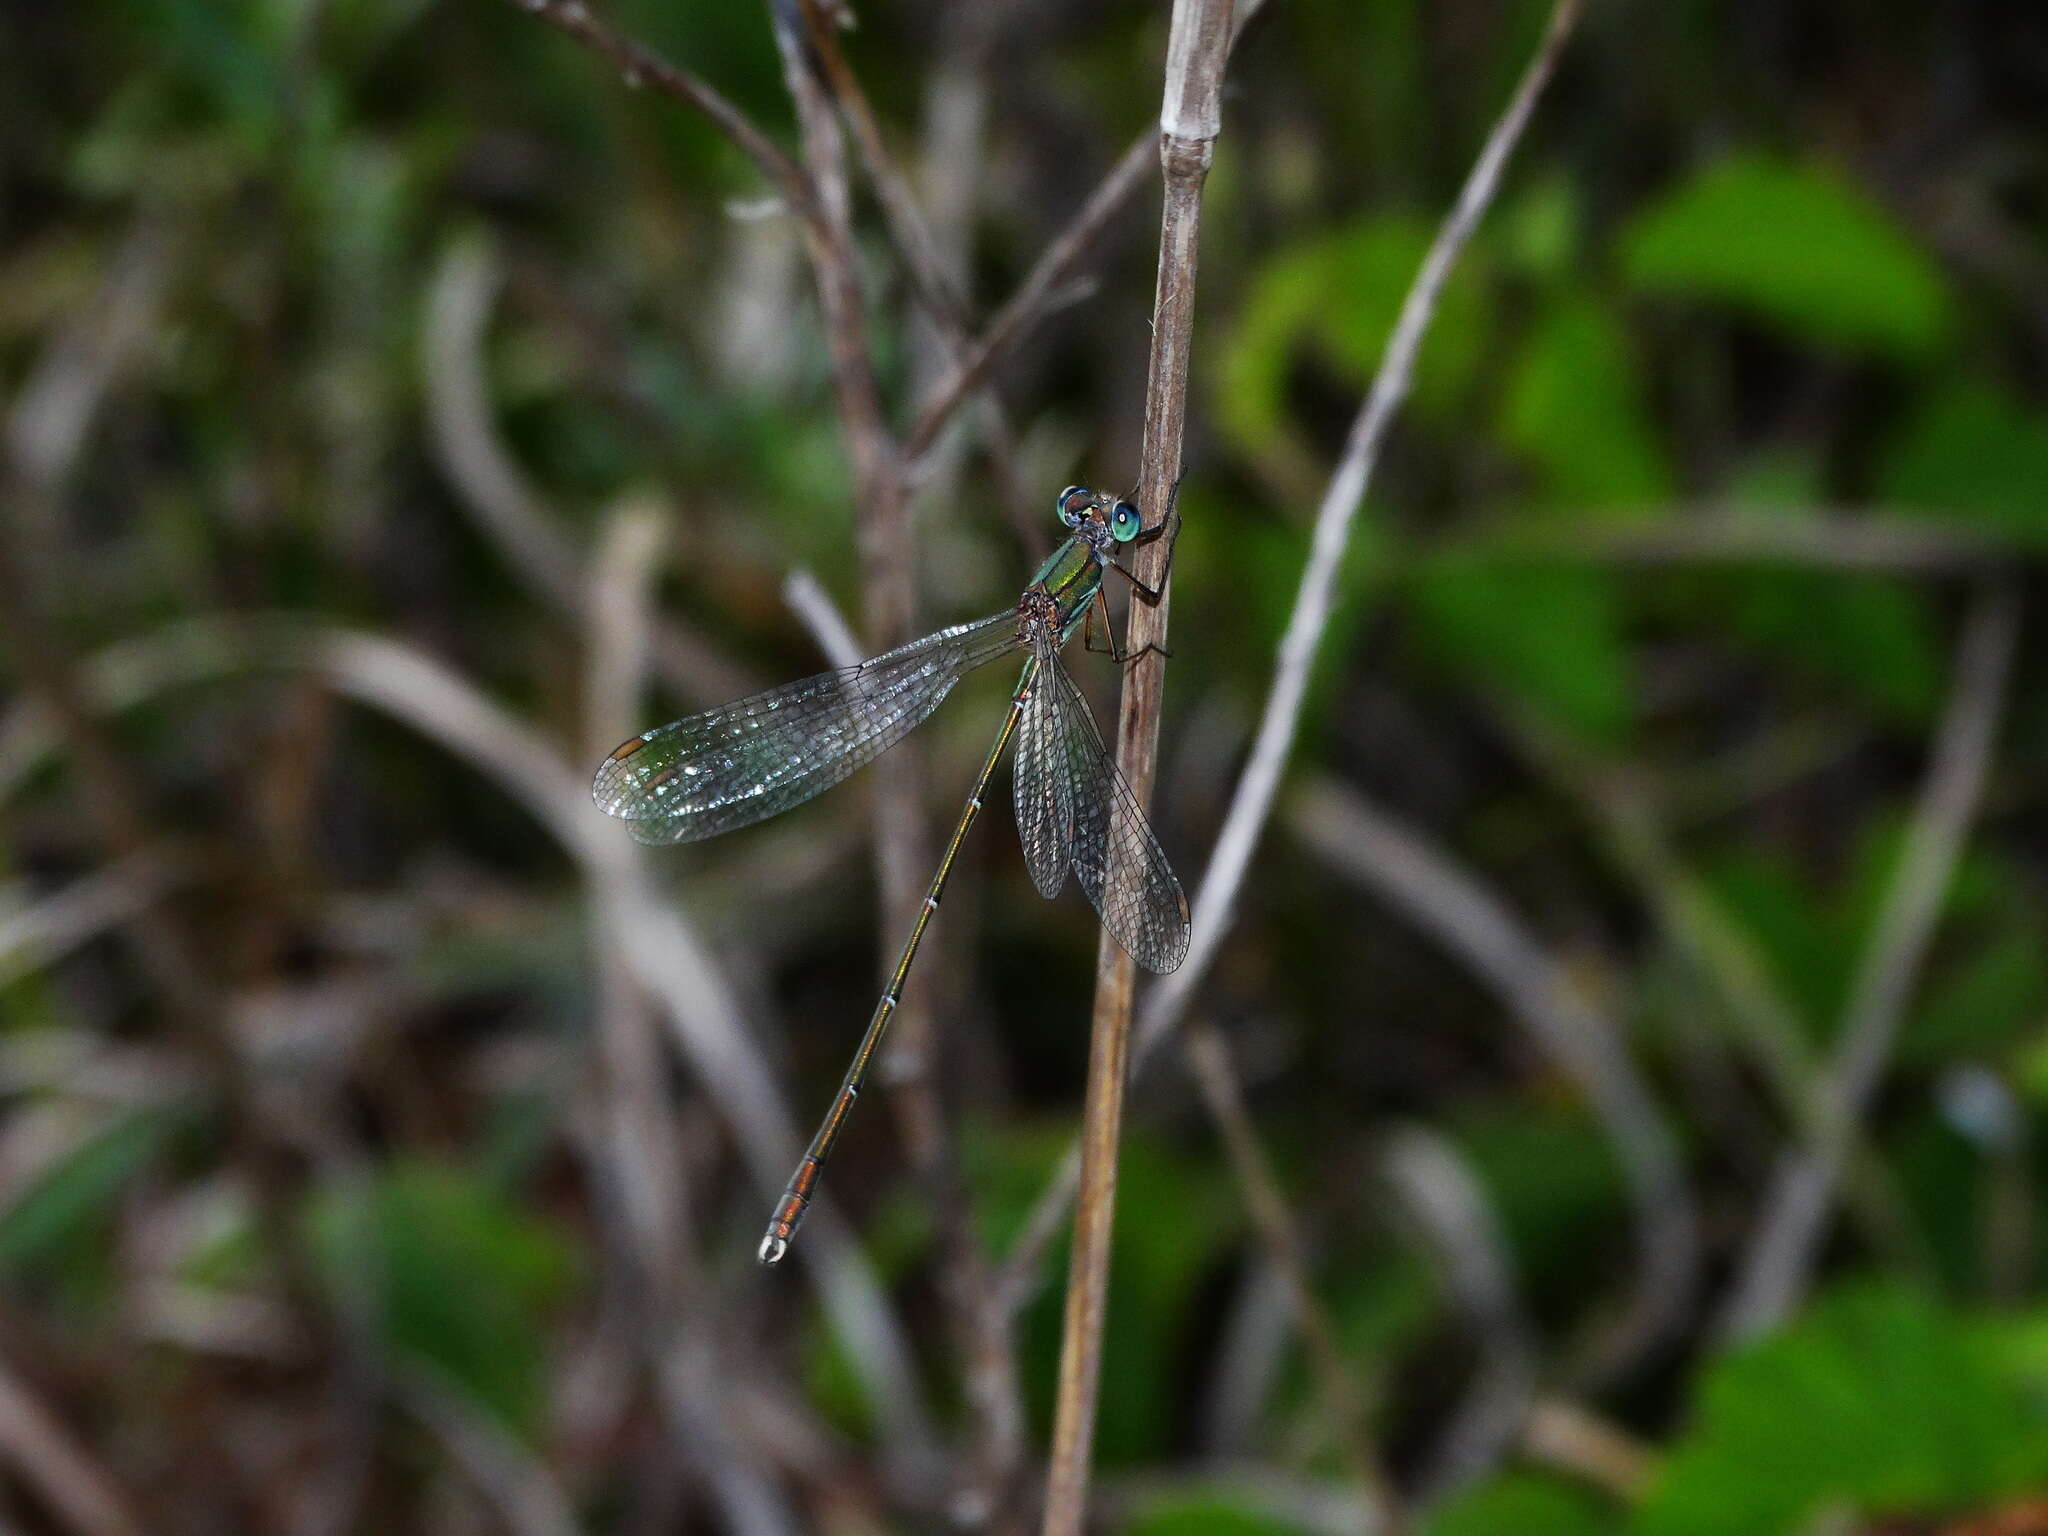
(803, 1184)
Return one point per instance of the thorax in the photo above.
(1061, 591)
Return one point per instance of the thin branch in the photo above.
(39, 935)
(1191, 118)
(1724, 955)
(491, 486)
(1252, 804)
(48, 1458)
(1823, 538)
(1439, 1188)
(1040, 293)
(668, 957)
(638, 67)
(929, 278)
(983, 1326)
(1451, 904)
(1035, 296)
(1343, 1400)
(1795, 1214)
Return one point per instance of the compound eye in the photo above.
(1124, 522)
(1073, 503)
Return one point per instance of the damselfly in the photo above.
(741, 763)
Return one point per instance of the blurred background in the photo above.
(1619, 1105)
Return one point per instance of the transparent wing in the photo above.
(1044, 791)
(748, 760)
(1117, 861)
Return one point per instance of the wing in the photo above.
(750, 759)
(1117, 861)
(1044, 792)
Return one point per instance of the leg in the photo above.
(1122, 658)
(1150, 594)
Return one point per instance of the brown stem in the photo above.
(1343, 1399)
(638, 67)
(1257, 787)
(1190, 120)
(1038, 295)
(167, 953)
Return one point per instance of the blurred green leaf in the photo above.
(74, 1194)
(1982, 1004)
(1552, 1178)
(459, 1277)
(1522, 1504)
(1875, 1399)
(1796, 244)
(1181, 1213)
(1976, 454)
(1871, 632)
(1576, 408)
(1335, 299)
(1792, 925)
(1549, 635)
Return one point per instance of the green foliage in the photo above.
(1975, 454)
(458, 1277)
(1877, 1399)
(1334, 299)
(1160, 1256)
(1797, 245)
(56, 1215)
(1522, 1504)
(1869, 632)
(1550, 635)
(1575, 408)
(1550, 1174)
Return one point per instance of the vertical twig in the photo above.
(1252, 801)
(1314, 598)
(1190, 119)
(1795, 1215)
(1451, 904)
(1343, 1401)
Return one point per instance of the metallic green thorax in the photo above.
(1071, 576)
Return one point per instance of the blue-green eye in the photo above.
(1124, 522)
(1071, 505)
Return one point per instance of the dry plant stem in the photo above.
(1775, 1270)
(1190, 120)
(1252, 802)
(1038, 295)
(65, 1474)
(1824, 538)
(1450, 903)
(912, 235)
(1035, 296)
(1761, 1019)
(638, 67)
(1343, 1400)
(1451, 1206)
(168, 954)
(669, 960)
(510, 512)
(902, 848)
